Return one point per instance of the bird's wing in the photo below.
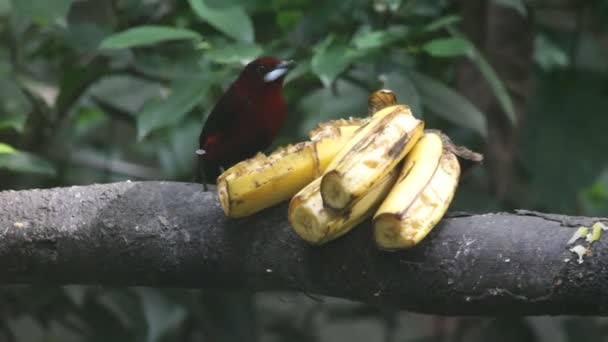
(223, 115)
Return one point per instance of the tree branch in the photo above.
(174, 234)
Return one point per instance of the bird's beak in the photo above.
(279, 71)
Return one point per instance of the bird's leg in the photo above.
(200, 170)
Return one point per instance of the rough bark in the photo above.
(174, 234)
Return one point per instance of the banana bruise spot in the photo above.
(399, 145)
(371, 135)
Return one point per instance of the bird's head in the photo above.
(266, 71)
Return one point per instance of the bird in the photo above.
(246, 118)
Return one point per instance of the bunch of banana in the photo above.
(386, 166)
(263, 181)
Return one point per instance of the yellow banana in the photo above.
(372, 152)
(420, 196)
(263, 181)
(317, 224)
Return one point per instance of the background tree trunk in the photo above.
(505, 38)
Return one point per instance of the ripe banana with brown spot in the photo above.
(317, 224)
(420, 196)
(263, 181)
(369, 155)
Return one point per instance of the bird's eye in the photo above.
(261, 69)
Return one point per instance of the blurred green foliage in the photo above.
(108, 90)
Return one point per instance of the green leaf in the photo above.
(5, 66)
(404, 88)
(448, 104)
(84, 37)
(393, 5)
(302, 68)
(330, 60)
(548, 55)
(316, 20)
(447, 47)
(25, 162)
(366, 39)
(175, 157)
(161, 313)
(6, 148)
(372, 39)
(289, 19)
(234, 53)
(170, 66)
(5, 7)
(76, 294)
(232, 21)
(87, 120)
(505, 329)
(594, 198)
(489, 74)
(442, 23)
(14, 122)
(185, 94)
(582, 329)
(384, 5)
(42, 10)
(147, 35)
(498, 87)
(323, 104)
(517, 5)
(564, 112)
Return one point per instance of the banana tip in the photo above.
(388, 233)
(304, 222)
(333, 192)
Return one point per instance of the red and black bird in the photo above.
(247, 117)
